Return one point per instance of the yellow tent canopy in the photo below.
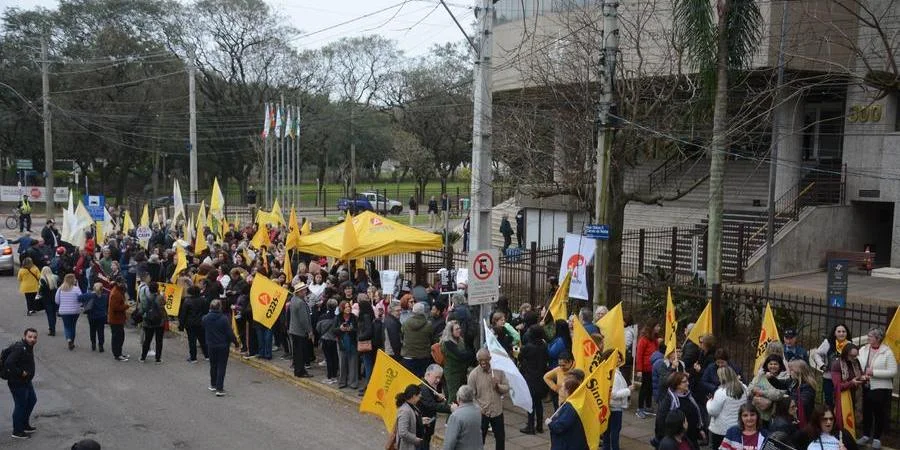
(375, 236)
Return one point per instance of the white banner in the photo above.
(35, 193)
(389, 281)
(577, 254)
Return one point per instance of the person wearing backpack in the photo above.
(18, 370)
(154, 320)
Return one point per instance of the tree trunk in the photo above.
(617, 204)
(717, 166)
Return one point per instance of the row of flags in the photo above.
(281, 121)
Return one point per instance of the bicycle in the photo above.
(12, 220)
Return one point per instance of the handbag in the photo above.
(364, 346)
(437, 354)
(137, 316)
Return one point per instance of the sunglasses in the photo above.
(828, 419)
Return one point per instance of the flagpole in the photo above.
(265, 160)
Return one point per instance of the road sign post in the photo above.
(599, 232)
(484, 276)
(94, 205)
(836, 289)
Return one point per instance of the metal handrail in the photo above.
(792, 207)
(666, 167)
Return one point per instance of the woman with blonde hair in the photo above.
(69, 307)
(29, 282)
(724, 407)
(47, 294)
(803, 389)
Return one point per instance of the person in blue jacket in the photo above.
(95, 307)
(709, 381)
(566, 430)
(561, 342)
(219, 336)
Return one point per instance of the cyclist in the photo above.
(25, 214)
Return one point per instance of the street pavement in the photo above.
(132, 405)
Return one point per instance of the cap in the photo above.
(790, 333)
(50, 221)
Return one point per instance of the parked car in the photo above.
(370, 201)
(7, 265)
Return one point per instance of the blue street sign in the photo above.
(597, 232)
(94, 205)
(836, 285)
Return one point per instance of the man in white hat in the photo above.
(301, 329)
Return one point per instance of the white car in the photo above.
(382, 203)
(7, 265)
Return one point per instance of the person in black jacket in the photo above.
(50, 234)
(190, 319)
(438, 309)
(676, 432)
(366, 332)
(218, 336)
(393, 338)
(431, 402)
(19, 366)
(533, 360)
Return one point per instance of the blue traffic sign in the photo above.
(95, 205)
(597, 232)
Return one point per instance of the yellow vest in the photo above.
(26, 207)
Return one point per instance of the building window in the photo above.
(823, 132)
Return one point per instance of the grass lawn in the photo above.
(395, 191)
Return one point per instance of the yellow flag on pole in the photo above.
(217, 202)
(558, 305)
(612, 326)
(584, 349)
(389, 378)
(276, 212)
(671, 324)
(201, 216)
(703, 326)
(306, 228)
(127, 223)
(200, 245)
(350, 242)
(848, 420)
(145, 217)
(591, 401)
(892, 335)
(288, 270)
(767, 333)
(180, 263)
(267, 299)
(173, 293)
(236, 330)
(261, 238)
(293, 237)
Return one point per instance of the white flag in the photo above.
(179, 203)
(518, 388)
(278, 123)
(108, 226)
(577, 254)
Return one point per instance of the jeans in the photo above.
(98, 331)
(876, 412)
(329, 348)
(24, 400)
(368, 362)
(150, 334)
(69, 322)
(611, 437)
(497, 426)
(118, 339)
(50, 311)
(30, 301)
(299, 354)
(264, 340)
(417, 365)
(194, 334)
(218, 362)
(349, 370)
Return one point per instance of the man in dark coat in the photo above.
(190, 319)
(19, 367)
(520, 228)
(300, 329)
(507, 232)
(50, 234)
(218, 336)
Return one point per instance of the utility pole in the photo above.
(605, 131)
(192, 87)
(48, 134)
(482, 188)
(352, 159)
(773, 157)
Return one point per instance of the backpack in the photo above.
(4, 371)
(153, 315)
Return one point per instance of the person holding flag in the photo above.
(566, 430)
(848, 378)
(490, 386)
(647, 344)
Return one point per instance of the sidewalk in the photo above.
(636, 433)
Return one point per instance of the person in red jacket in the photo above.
(647, 344)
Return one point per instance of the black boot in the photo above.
(527, 430)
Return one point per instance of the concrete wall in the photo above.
(790, 146)
(801, 247)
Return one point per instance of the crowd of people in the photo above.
(343, 313)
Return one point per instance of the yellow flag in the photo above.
(612, 326)
(261, 238)
(768, 333)
(236, 330)
(98, 225)
(180, 263)
(703, 326)
(276, 212)
(145, 217)
(591, 401)
(236, 222)
(892, 335)
(671, 324)
(848, 419)
(223, 228)
(350, 242)
(558, 305)
(267, 299)
(127, 223)
(201, 216)
(584, 349)
(200, 245)
(306, 228)
(172, 292)
(389, 378)
(217, 202)
(293, 237)
(288, 270)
